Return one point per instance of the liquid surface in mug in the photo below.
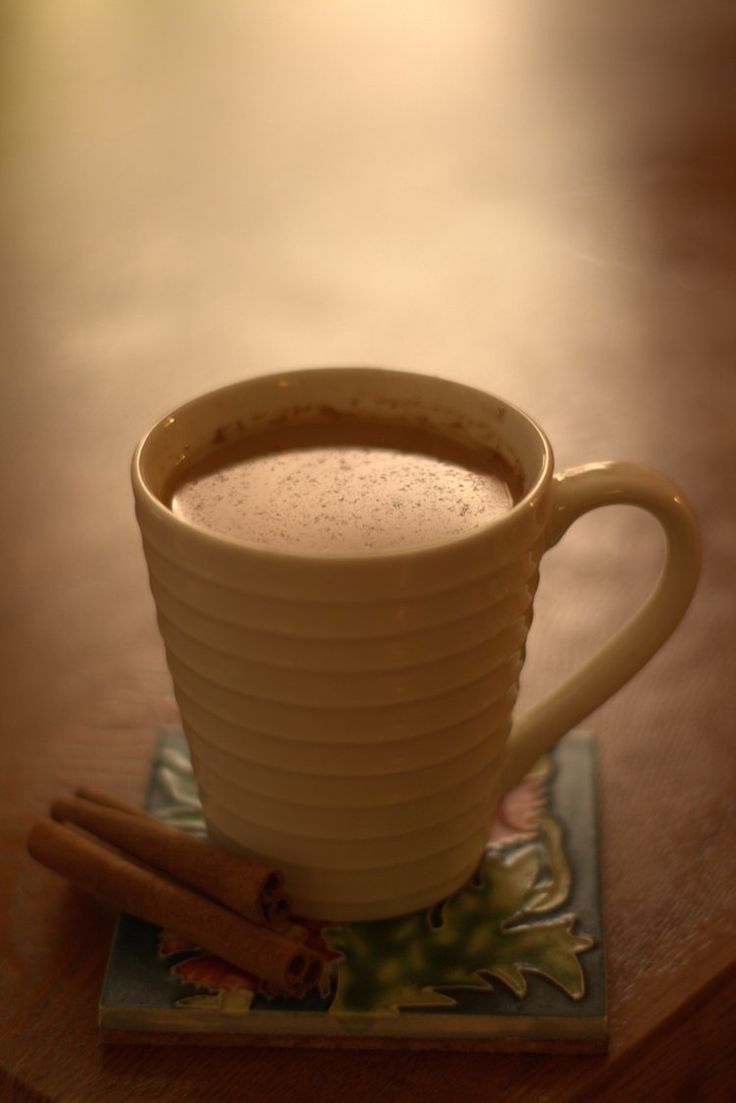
(346, 488)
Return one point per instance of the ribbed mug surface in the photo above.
(347, 715)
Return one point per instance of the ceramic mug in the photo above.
(350, 716)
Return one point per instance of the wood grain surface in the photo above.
(535, 199)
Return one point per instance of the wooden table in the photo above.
(536, 199)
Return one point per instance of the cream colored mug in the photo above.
(350, 716)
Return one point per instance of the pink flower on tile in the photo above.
(517, 816)
(202, 968)
(215, 974)
(206, 970)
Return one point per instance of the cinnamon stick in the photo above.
(108, 801)
(251, 888)
(282, 963)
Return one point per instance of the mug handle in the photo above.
(575, 492)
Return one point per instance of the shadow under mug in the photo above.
(350, 717)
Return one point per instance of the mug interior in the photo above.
(458, 413)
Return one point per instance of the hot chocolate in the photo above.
(348, 488)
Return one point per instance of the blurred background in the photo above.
(534, 198)
(537, 198)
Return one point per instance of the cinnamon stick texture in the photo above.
(108, 801)
(250, 888)
(282, 963)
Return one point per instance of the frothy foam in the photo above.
(343, 498)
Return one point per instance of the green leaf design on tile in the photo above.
(488, 930)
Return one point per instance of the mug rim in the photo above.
(205, 536)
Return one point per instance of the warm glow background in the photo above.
(528, 197)
(534, 196)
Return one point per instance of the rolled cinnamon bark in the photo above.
(108, 801)
(285, 964)
(250, 888)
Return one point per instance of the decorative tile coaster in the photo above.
(512, 961)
